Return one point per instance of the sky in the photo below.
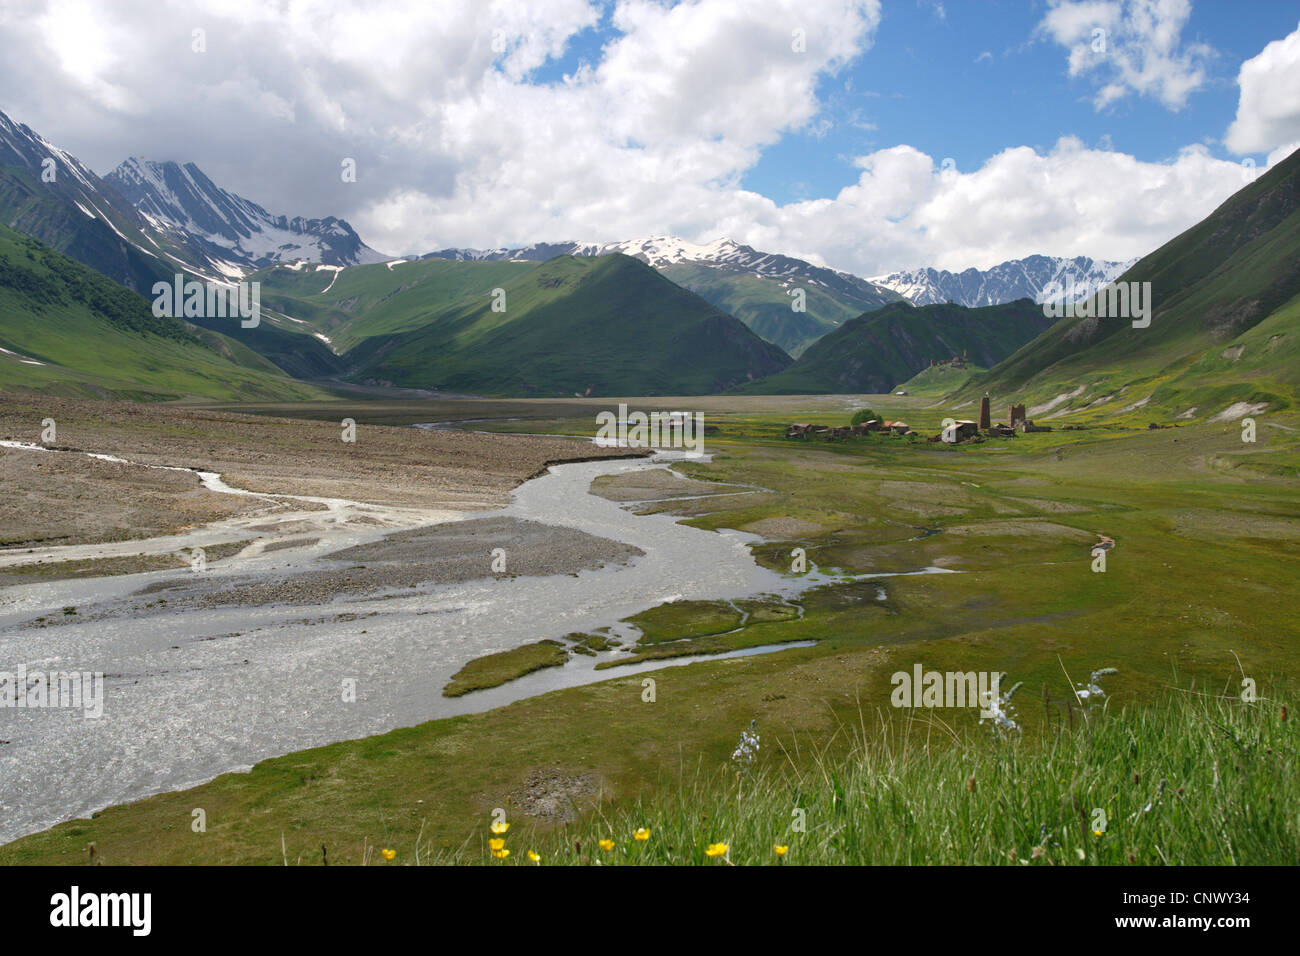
(865, 135)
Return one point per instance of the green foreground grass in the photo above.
(1199, 779)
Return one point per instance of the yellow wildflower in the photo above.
(780, 849)
(496, 844)
(606, 845)
(534, 856)
(499, 827)
(388, 854)
(716, 850)
(641, 835)
(501, 854)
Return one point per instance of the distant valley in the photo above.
(659, 315)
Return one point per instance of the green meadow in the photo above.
(1194, 610)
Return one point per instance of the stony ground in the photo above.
(446, 553)
(69, 500)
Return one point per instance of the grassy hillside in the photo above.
(942, 378)
(370, 300)
(605, 326)
(383, 300)
(876, 351)
(58, 214)
(68, 330)
(294, 350)
(765, 305)
(1222, 329)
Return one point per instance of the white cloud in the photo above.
(1268, 113)
(904, 211)
(1281, 153)
(455, 147)
(1130, 46)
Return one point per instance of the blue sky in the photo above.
(928, 82)
(966, 79)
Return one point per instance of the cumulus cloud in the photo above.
(906, 210)
(458, 143)
(1130, 46)
(1268, 113)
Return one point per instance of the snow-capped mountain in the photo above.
(756, 287)
(225, 233)
(20, 145)
(662, 252)
(47, 193)
(1035, 277)
(145, 219)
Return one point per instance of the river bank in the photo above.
(346, 630)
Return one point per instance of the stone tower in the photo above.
(986, 419)
(1017, 416)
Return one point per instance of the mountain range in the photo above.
(50, 195)
(225, 234)
(67, 329)
(622, 329)
(649, 316)
(1035, 277)
(759, 288)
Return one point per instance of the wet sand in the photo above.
(450, 553)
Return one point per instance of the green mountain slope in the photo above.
(50, 195)
(592, 326)
(941, 379)
(66, 329)
(294, 350)
(369, 300)
(765, 304)
(876, 351)
(45, 213)
(1222, 329)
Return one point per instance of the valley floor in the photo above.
(1197, 594)
(60, 500)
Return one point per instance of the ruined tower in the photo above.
(1017, 415)
(986, 419)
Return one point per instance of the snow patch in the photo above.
(1239, 410)
(22, 358)
(337, 270)
(1048, 406)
